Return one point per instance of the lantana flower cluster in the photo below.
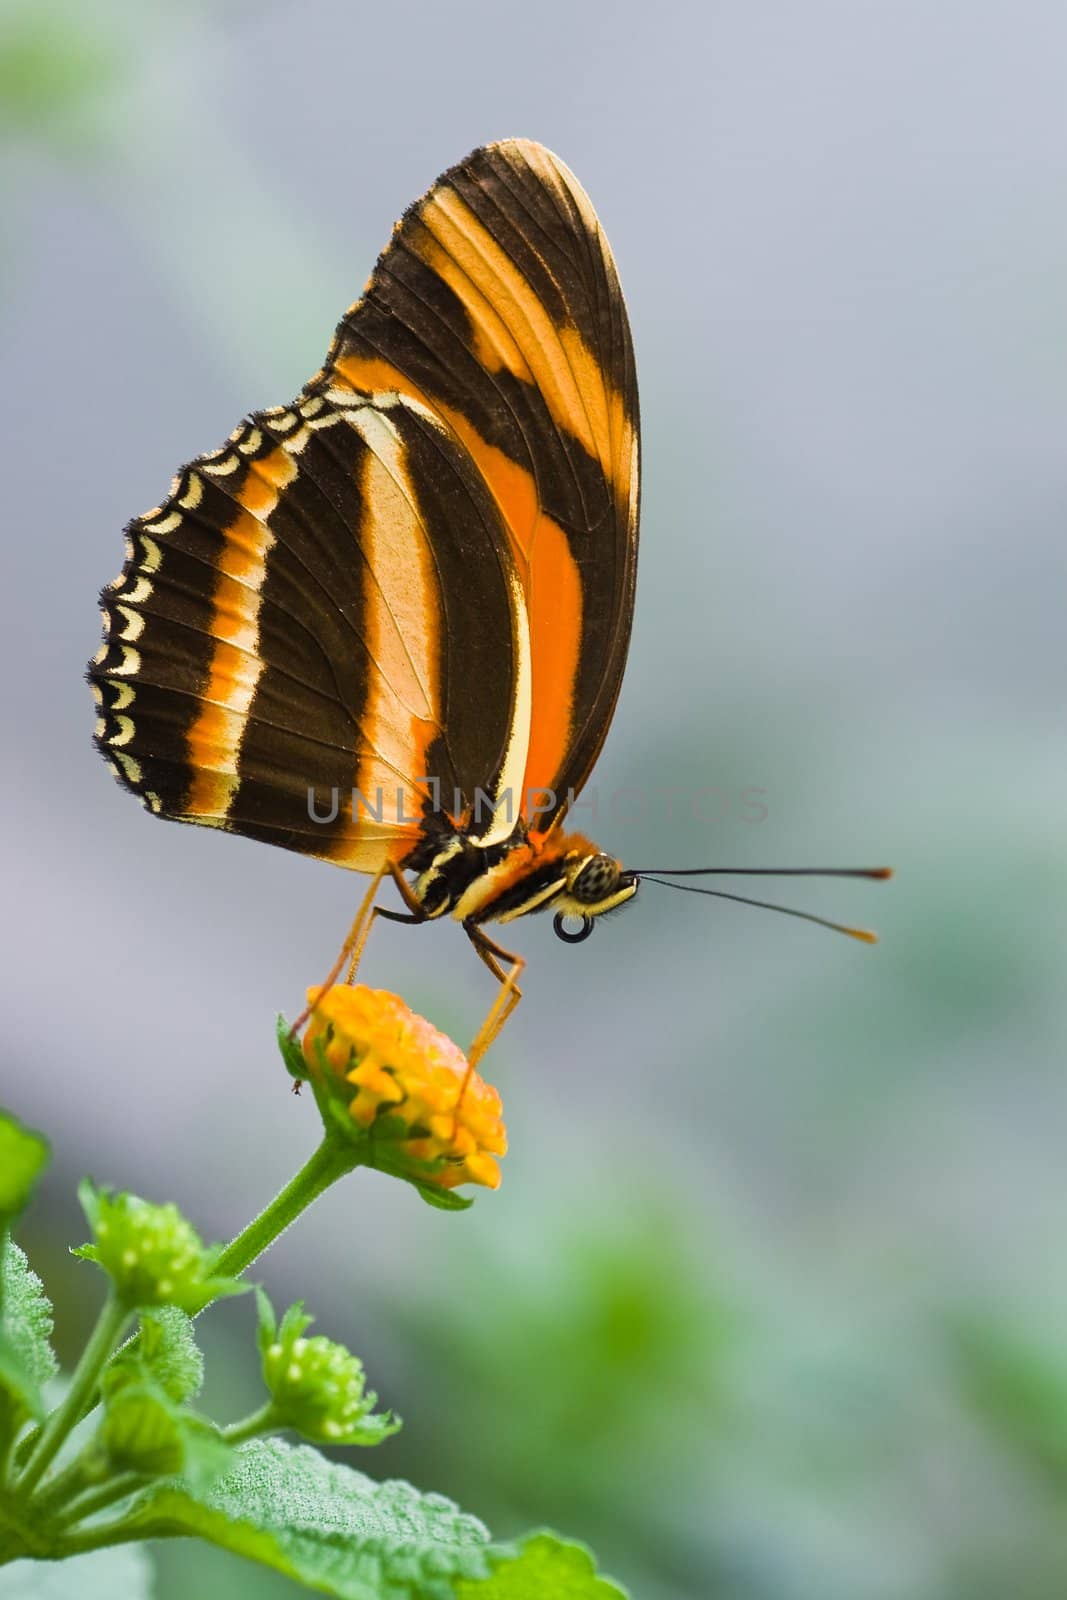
(405, 1082)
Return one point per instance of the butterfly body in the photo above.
(529, 871)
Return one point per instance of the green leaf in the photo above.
(292, 1053)
(23, 1157)
(122, 1573)
(443, 1199)
(26, 1357)
(326, 1525)
(397, 1164)
(544, 1565)
(166, 1352)
(267, 1321)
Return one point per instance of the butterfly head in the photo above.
(594, 883)
(565, 873)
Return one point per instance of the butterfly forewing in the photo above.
(497, 304)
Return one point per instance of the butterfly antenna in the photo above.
(662, 876)
(880, 873)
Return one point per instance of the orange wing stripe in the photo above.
(483, 276)
(554, 603)
(215, 737)
(403, 712)
(552, 586)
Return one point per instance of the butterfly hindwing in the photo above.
(307, 613)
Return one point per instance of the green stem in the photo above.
(22, 1539)
(122, 1530)
(250, 1427)
(118, 1488)
(63, 1486)
(333, 1158)
(109, 1327)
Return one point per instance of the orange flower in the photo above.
(407, 1078)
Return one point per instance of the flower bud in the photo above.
(141, 1432)
(145, 1430)
(317, 1386)
(153, 1256)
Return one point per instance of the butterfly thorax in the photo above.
(528, 871)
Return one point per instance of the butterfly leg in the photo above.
(507, 998)
(356, 942)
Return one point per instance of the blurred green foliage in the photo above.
(1016, 1387)
(609, 1338)
(56, 76)
(600, 1372)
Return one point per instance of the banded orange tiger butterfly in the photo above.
(386, 624)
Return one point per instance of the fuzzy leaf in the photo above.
(326, 1526)
(26, 1357)
(122, 1573)
(544, 1565)
(166, 1352)
(23, 1157)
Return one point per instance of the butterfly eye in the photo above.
(597, 879)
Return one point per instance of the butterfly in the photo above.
(386, 625)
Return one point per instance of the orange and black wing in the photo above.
(498, 306)
(416, 581)
(326, 604)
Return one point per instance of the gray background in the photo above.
(842, 234)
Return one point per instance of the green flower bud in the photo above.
(144, 1430)
(316, 1386)
(151, 1254)
(141, 1432)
